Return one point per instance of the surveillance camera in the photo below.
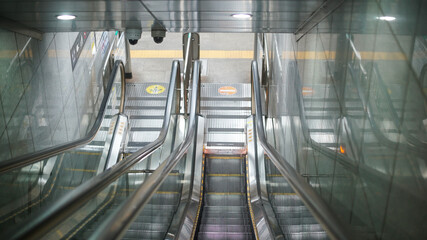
(133, 41)
(158, 39)
(158, 32)
(133, 35)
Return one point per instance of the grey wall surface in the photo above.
(44, 101)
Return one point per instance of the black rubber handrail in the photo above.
(305, 191)
(118, 222)
(38, 226)
(34, 157)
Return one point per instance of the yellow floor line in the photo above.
(248, 54)
(205, 54)
(166, 192)
(65, 187)
(274, 175)
(241, 54)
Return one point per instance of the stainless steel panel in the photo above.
(191, 214)
(226, 123)
(225, 137)
(224, 112)
(203, 16)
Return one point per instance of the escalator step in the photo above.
(286, 199)
(228, 116)
(225, 99)
(148, 98)
(224, 228)
(297, 220)
(144, 234)
(146, 117)
(224, 235)
(142, 129)
(306, 235)
(150, 226)
(225, 209)
(225, 144)
(239, 130)
(226, 221)
(225, 200)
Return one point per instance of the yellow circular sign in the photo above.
(155, 89)
(227, 90)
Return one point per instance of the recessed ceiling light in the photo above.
(386, 18)
(66, 17)
(242, 15)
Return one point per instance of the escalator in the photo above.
(36, 180)
(145, 107)
(293, 217)
(62, 172)
(199, 184)
(225, 213)
(221, 170)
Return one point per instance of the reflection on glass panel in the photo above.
(361, 129)
(154, 219)
(26, 190)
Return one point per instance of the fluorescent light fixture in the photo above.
(66, 17)
(386, 18)
(241, 15)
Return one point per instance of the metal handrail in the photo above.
(34, 157)
(118, 222)
(57, 212)
(312, 200)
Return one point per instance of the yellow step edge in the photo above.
(225, 157)
(224, 193)
(64, 187)
(274, 175)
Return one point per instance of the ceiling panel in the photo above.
(176, 16)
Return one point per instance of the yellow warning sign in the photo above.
(227, 90)
(155, 89)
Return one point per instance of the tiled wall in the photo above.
(43, 101)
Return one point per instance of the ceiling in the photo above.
(175, 15)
